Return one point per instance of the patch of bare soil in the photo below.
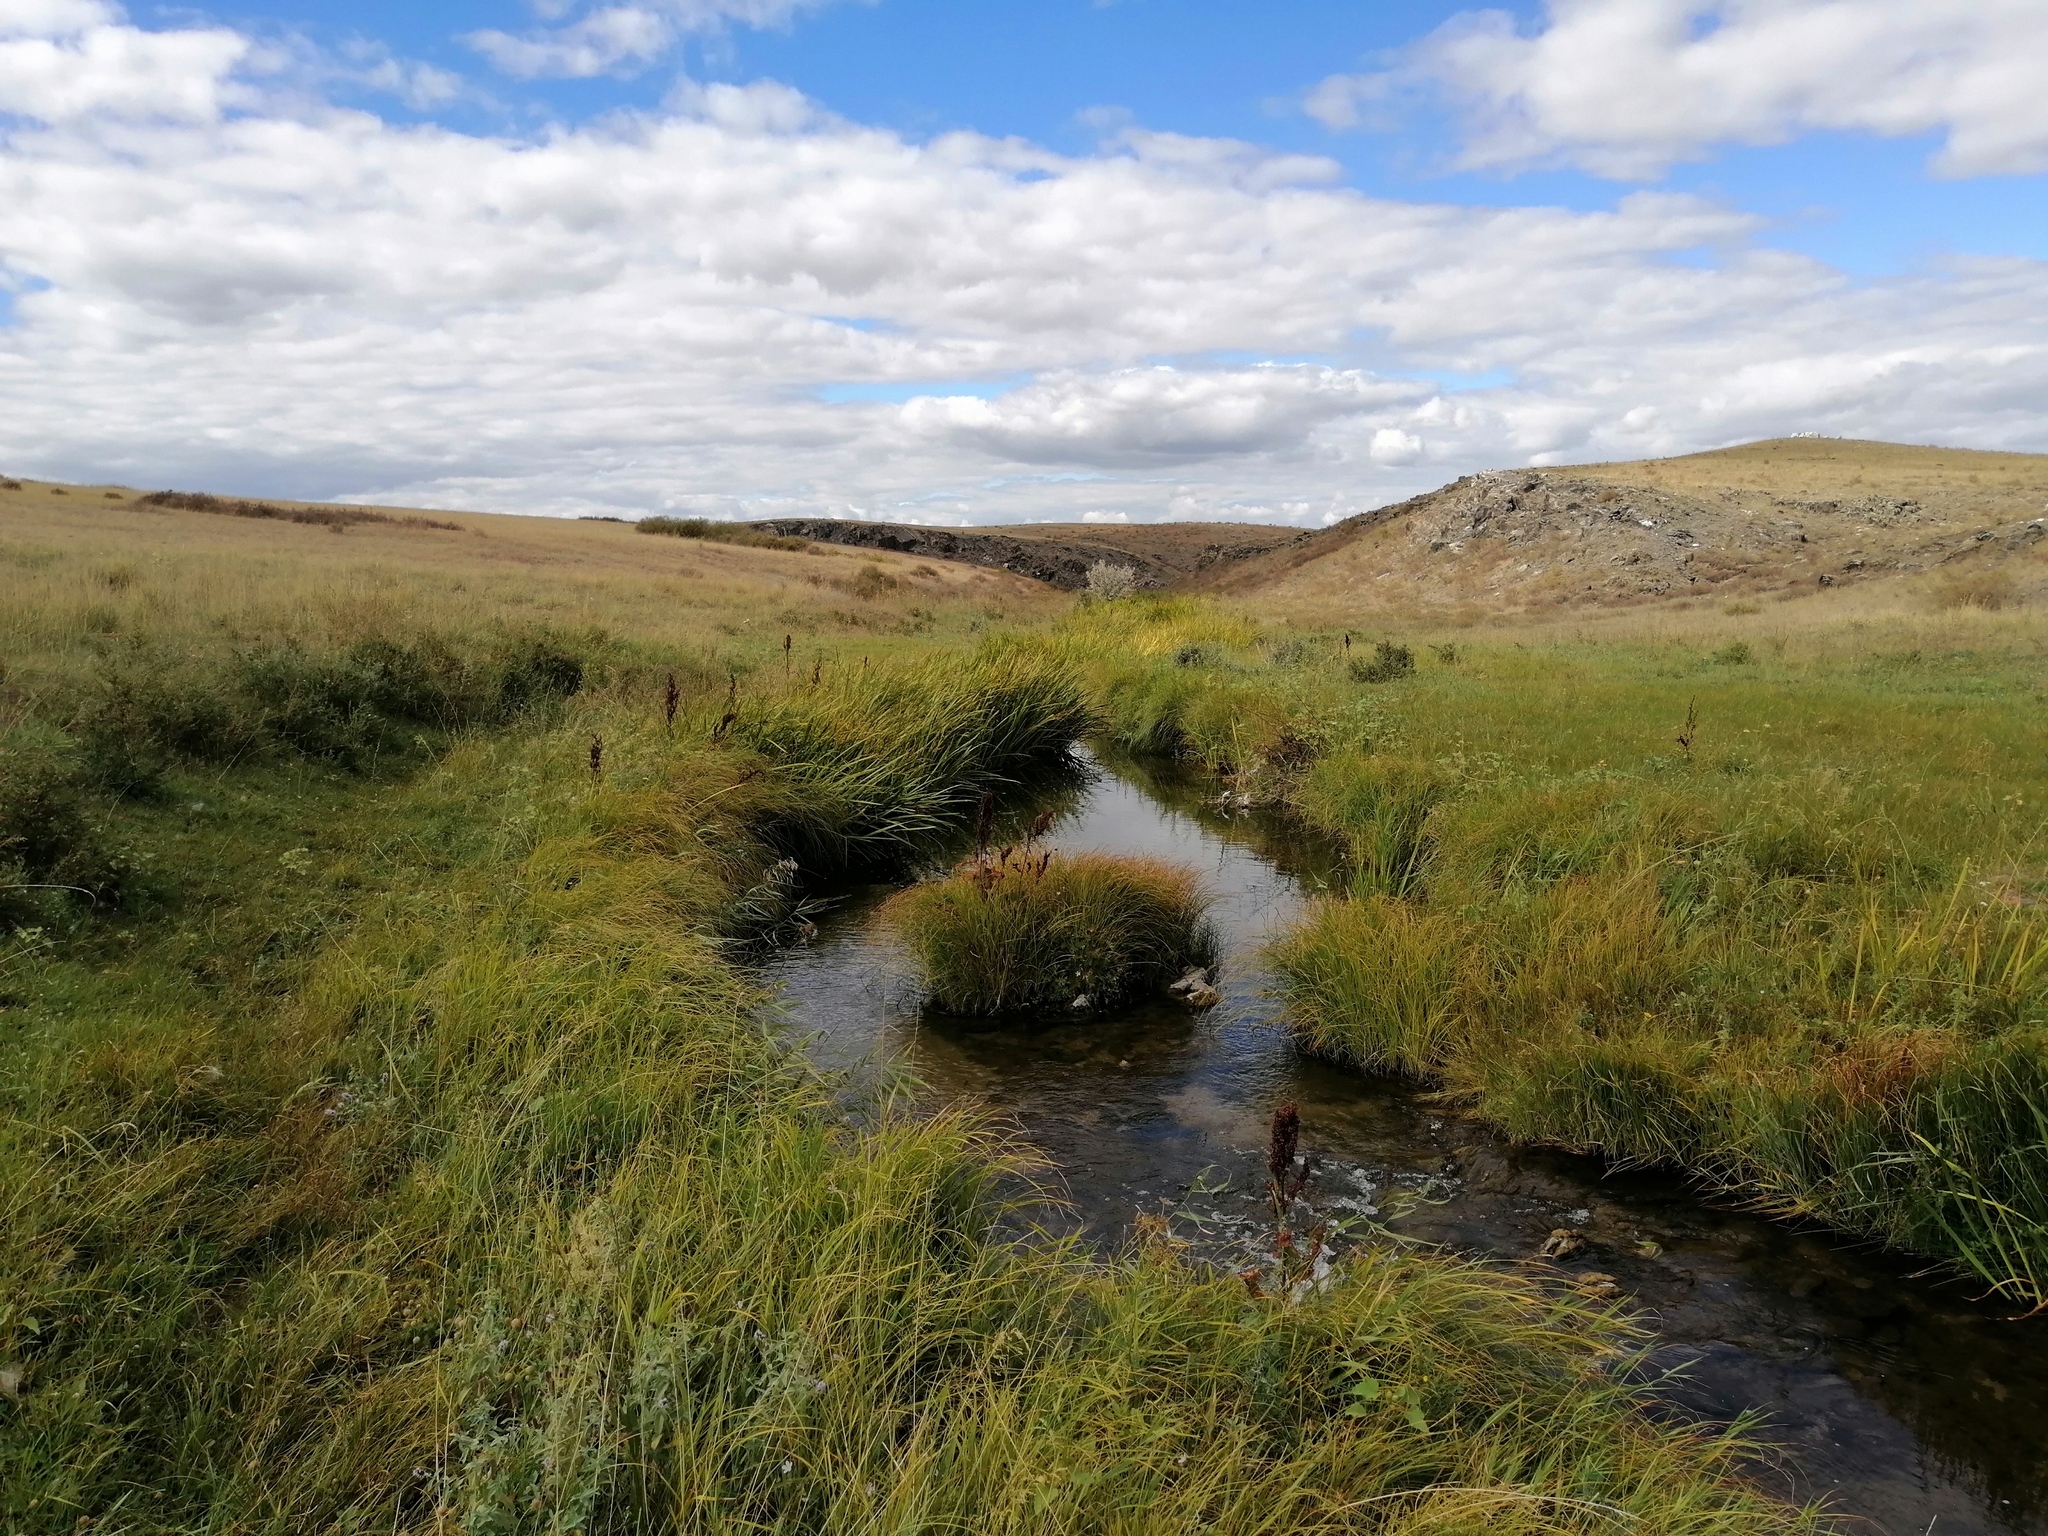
(1058, 553)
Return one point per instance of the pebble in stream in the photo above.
(1898, 1399)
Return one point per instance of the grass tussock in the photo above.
(1013, 932)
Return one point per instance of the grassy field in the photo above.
(392, 1140)
(1762, 896)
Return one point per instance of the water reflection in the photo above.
(1899, 1399)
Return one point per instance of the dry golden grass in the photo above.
(1766, 523)
(1966, 481)
(87, 569)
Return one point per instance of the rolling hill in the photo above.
(1781, 516)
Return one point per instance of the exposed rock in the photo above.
(1558, 538)
(1160, 553)
(1563, 1243)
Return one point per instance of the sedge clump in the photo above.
(1016, 932)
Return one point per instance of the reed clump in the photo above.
(1020, 931)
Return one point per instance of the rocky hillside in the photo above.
(1525, 540)
(1060, 553)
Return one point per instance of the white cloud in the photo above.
(266, 292)
(618, 39)
(60, 62)
(1625, 88)
(598, 44)
(1138, 416)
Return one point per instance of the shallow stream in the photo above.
(1898, 1399)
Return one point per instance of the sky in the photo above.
(1000, 260)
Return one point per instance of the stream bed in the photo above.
(1898, 1399)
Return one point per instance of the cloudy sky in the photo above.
(977, 260)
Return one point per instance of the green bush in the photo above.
(52, 851)
(1015, 933)
(1388, 662)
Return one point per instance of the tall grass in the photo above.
(1801, 954)
(1012, 933)
(881, 765)
(505, 1215)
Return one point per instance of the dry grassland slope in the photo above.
(1779, 517)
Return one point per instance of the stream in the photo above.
(1896, 1398)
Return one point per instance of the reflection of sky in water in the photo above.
(1899, 1399)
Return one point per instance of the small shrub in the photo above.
(1738, 610)
(50, 850)
(1192, 656)
(314, 705)
(1291, 652)
(872, 582)
(1736, 654)
(1387, 662)
(337, 519)
(1108, 582)
(138, 723)
(537, 671)
(1447, 653)
(1988, 590)
(1015, 933)
(719, 533)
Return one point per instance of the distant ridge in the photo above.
(1059, 554)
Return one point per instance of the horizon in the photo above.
(1071, 262)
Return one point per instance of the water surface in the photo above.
(1897, 1398)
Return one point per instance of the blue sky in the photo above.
(1554, 231)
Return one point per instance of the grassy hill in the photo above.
(1769, 520)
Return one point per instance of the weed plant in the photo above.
(1770, 908)
(1016, 932)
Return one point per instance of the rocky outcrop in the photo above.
(1160, 553)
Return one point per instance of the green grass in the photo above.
(1802, 951)
(480, 1201)
(1014, 932)
(405, 1150)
